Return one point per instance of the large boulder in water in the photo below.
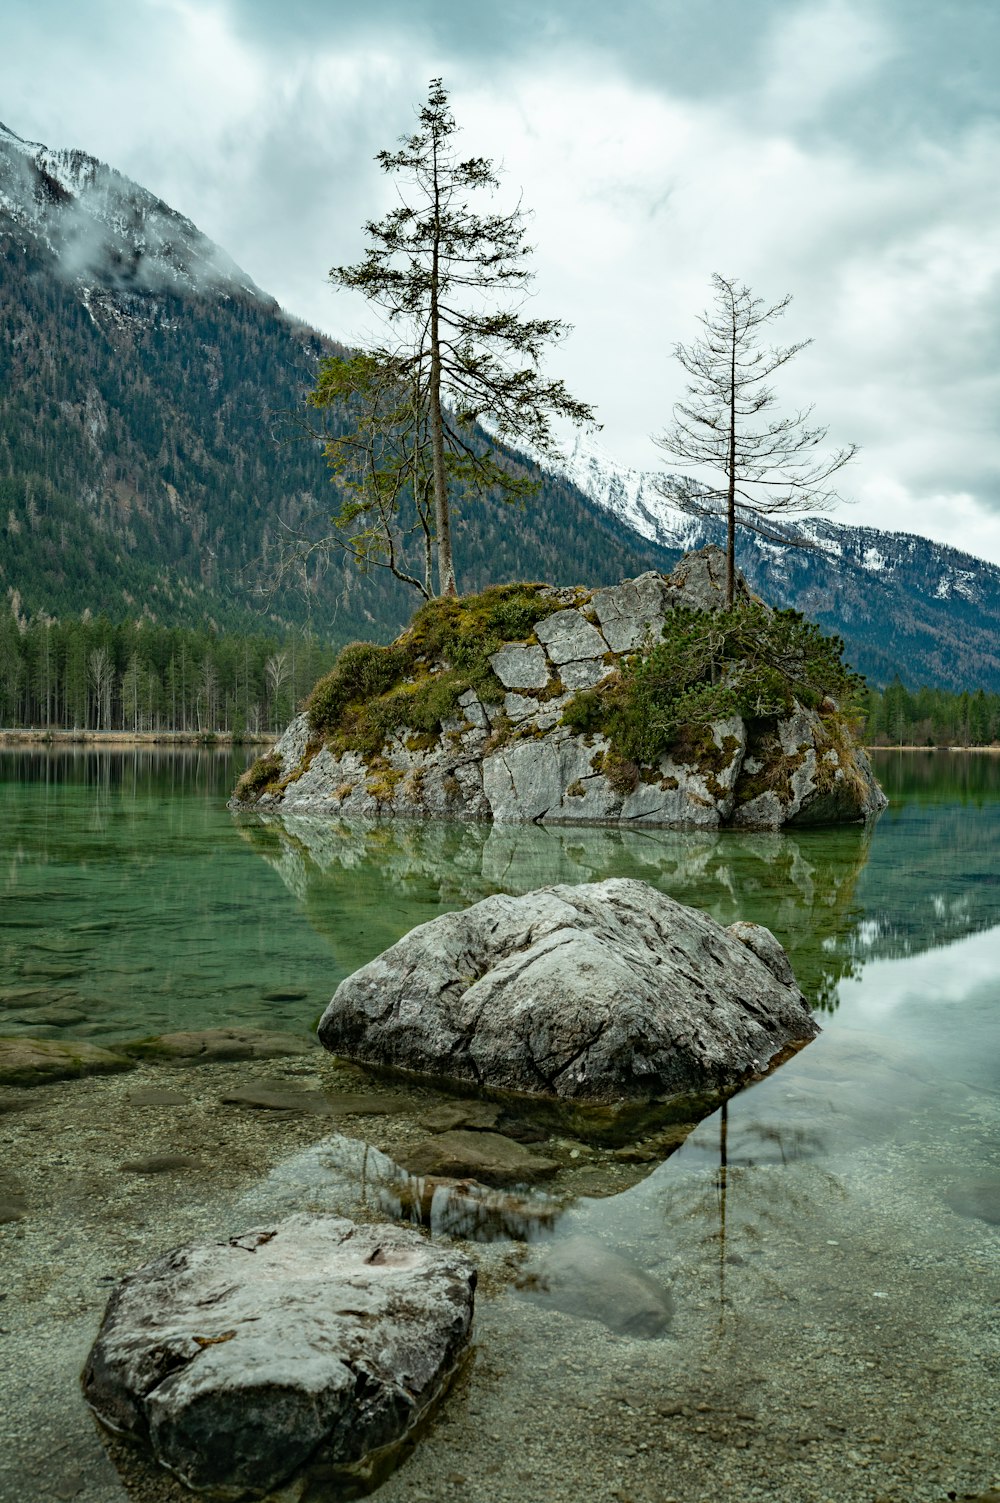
(313, 1341)
(593, 993)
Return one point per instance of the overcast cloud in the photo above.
(848, 153)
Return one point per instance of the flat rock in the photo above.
(976, 1198)
(521, 667)
(358, 1104)
(25, 1061)
(32, 996)
(154, 1096)
(604, 992)
(161, 1163)
(208, 1044)
(567, 635)
(278, 1099)
(12, 1202)
(313, 1341)
(51, 971)
(582, 1277)
(54, 1015)
(488, 1157)
(479, 1116)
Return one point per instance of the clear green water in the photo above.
(832, 1242)
(136, 902)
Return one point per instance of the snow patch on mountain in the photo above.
(631, 495)
(103, 230)
(637, 498)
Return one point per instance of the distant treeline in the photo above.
(898, 716)
(88, 674)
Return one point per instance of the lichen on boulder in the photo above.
(642, 703)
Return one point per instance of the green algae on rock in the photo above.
(643, 703)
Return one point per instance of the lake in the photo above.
(829, 1242)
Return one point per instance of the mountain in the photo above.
(150, 463)
(902, 603)
(104, 230)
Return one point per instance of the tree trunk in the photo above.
(442, 520)
(731, 499)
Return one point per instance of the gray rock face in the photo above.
(810, 775)
(698, 582)
(600, 992)
(568, 636)
(313, 1340)
(632, 614)
(521, 667)
(516, 762)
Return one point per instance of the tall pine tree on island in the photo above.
(449, 276)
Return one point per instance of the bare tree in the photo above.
(101, 671)
(749, 469)
(276, 674)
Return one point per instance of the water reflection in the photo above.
(923, 877)
(802, 886)
(342, 1172)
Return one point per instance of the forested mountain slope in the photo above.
(150, 464)
(149, 460)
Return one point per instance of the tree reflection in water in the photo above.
(364, 885)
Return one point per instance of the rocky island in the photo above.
(643, 703)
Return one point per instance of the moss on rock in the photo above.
(416, 682)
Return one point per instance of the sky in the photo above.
(844, 151)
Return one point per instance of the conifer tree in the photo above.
(448, 278)
(749, 471)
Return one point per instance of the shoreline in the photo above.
(994, 749)
(31, 736)
(206, 739)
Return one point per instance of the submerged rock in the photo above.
(206, 1045)
(313, 1342)
(582, 1277)
(978, 1199)
(12, 1202)
(594, 993)
(29, 1062)
(488, 1157)
(507, 753)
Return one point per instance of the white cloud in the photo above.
(946, 977)
(817, 55)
